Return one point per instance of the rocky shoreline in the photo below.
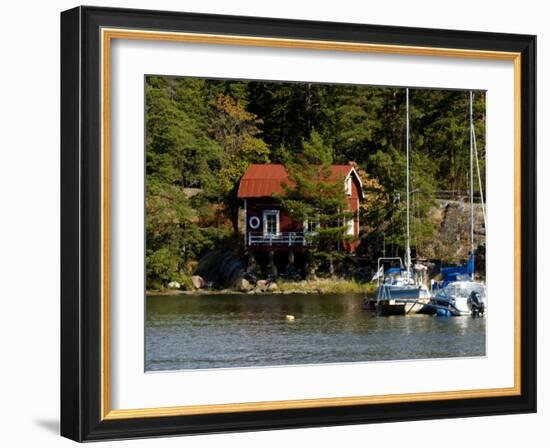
(320, 286)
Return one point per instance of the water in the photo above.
(212, 331)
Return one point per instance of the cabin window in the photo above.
(348, 186)
(271, 222)
(350, 224)
(311, 225)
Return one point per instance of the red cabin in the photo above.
(266, 226)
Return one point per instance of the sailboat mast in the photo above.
(408, 244)
(471, 175)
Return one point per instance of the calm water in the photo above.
(197, 332)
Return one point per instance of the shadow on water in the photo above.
(212, 331)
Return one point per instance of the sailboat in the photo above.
(399, 290)
(460, 294)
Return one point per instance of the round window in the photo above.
(254, 222)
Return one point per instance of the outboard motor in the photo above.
(476, 304)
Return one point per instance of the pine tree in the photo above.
(313, 193)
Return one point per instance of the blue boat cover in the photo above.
(392, 271)
(457, 273)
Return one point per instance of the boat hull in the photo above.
(445, 310)
(402, 300)
(401, 308)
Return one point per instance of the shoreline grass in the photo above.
(319, 286)
(326, 286)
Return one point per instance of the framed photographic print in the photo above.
(276, 224)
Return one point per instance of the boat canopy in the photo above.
(463, 289)
(394, 271)
(458, 273)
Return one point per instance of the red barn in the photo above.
(267, 226)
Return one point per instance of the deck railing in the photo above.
(280, 239)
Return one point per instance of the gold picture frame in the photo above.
(109, 25)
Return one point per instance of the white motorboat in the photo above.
(460, 298)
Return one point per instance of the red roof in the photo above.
(264, 180)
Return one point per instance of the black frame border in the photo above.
(81, 223)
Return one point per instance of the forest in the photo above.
(202, 134)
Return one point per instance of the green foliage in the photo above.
(199, 143)
(173, 236)
(237, 132)
(179, 150)
(388, 215)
